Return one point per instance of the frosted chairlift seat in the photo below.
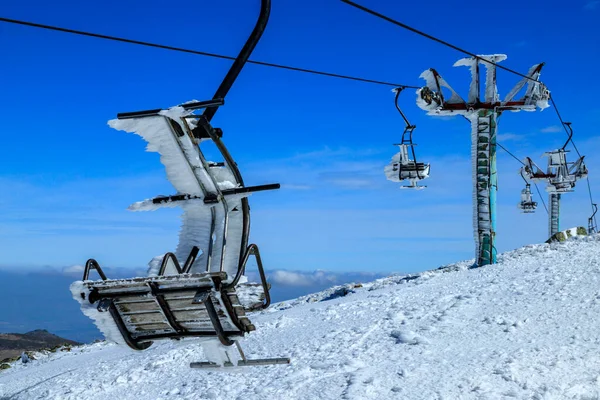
(202, 298)
(402, 168)
(527, 205)
(171, 306)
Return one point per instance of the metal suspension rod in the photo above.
(409, 128)
(521, 173)
(398, 91)
(238, 64)
(570, 133)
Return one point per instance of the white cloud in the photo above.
(72, 270)
(504, 137)
(291, 278)
(318, 277)
(552, 129)
(350, 182)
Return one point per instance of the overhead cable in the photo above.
(522, 163)
(202, 53)
(436, 39)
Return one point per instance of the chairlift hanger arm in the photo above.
(523, 176)
(238, 64)
(398, 90)
(568, 126)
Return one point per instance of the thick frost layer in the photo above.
(536, 95)
(432, 79)
(152, 129)
(186, 171)
(473, 118)
(103, 320)
(391, 170)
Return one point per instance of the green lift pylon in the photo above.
(483, 116)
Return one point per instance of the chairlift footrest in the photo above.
(241, 363)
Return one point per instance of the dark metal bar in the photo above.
(213, 197)
(398, 91)
(190, 260)
(263, 278)
(144, 291)
(159, 336)
(139, 114)
(567, 125)
(165, 261)
(176, 197)
(241, 363)
(214, 318)
(250, 189)
(230, 310)
(253, 250)
(216, 102)
(206, 278)
(160, 300)
(238, 64)
(131, 342)
(92, 264)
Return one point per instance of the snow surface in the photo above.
(525, 328)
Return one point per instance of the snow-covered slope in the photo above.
(526, 328)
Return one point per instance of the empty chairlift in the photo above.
(206, 297)
(527, 205)
(403, 167)
(560, 176)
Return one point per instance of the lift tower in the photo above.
(483, 116)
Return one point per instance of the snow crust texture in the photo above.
(525, 328)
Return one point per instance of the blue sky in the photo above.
(67, 178)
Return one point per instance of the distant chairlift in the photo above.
(402, 167)
(560, 174)
(527, 205)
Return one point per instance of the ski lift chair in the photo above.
(202, 297)
(561, 175)
(527, 205)
(406, 169)
(205, 298)
(402, 167)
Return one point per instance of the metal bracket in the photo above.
(90, 265)
(244, 362)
